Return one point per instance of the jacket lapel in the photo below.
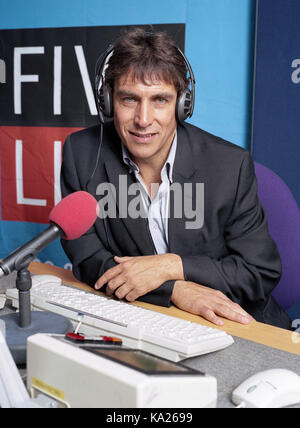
(182, 199)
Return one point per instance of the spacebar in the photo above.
(70, 308)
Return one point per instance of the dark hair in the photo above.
(147, 56)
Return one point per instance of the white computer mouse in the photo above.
(268, 389)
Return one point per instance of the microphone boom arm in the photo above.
(23, 256)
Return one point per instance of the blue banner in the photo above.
(276, 125)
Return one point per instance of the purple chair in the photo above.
(284, 226)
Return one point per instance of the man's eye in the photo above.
(128, 100)
(161, 100)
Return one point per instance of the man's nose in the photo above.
(144, 114)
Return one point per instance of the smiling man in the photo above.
(224, 266)
(145, 119)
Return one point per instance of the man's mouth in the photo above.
(143, 137)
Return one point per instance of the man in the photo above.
(221, 265)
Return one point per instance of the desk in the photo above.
(257, 346)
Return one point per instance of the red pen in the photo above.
(100, 340)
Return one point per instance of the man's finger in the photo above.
(242, 311)
(233, 308)
(209, 315)
(114, 284)
(107, 276)
(132, 296)
(233, 315)
(121, 259)
(123, 291)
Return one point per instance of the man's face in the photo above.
(144, 117)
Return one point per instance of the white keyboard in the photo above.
(159, 334)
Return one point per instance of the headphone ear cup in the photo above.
(105, 103)
(103, 93)
(184, 105)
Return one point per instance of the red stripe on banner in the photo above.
(30, 166)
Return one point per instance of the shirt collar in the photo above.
(168, 166)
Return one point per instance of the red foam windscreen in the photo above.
(75, 214)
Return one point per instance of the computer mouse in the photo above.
(268, 389)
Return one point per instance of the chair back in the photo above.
(284, 226)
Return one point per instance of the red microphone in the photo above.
(69, 219)
(75, 214)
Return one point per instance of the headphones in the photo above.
(104, 97)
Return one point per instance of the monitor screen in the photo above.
(142, 361)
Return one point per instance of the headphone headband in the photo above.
(103, 94)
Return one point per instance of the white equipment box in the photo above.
(95, 376)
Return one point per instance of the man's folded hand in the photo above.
(133, 277)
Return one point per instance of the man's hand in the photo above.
(207, 302)
(133, 277)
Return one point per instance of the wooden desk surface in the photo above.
(256, 332)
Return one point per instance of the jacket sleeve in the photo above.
(251, 267)
(89, 255)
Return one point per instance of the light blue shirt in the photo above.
(158, 208)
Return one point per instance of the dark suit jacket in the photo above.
(233, 251)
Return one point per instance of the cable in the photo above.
(98, 154)
(92, 175)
